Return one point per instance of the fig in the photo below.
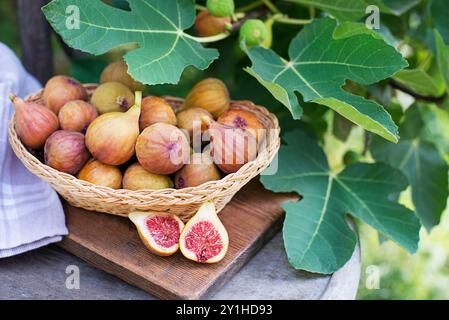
(118, 72)
(112, 97)
(207, 25)
(65, 151)
(137, 178)
(154, 110)
(76, 115)
(34, 123)
(254, 32)
(101, 174)
(159, 231)
(231, 147)
(61, 89)
(210, 94)
(204, 238)
(195, 121)
(201, 169)
(243, 119)
(162, 148)
(112, 136)
(220, 8)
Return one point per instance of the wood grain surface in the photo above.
(111, 243)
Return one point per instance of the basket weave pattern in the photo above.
(182, 202)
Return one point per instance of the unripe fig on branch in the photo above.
(254, 32)
(221, 8)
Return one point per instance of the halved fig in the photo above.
(204, 238)
(159, 231)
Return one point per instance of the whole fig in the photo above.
(61, 89)
(231, 147)
(207, 25)
(65, 151)
(118, 72)
(154, 110)
(112, 136)
(112, 97)
(221, 8)
(137, 178)
(243, 119)
(76, 115)
(34, 123)
(101, 174)
(194, 120)
(210, 94)
(162, 149)
(253, 32)
(201, 169)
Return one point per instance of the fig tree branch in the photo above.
(416, 95)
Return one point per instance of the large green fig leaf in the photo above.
(420, 160)
(318, 67)
(316, 234)
(420, 82)
(439, 10)
(156, 26)
(356, 9)
(442, 56)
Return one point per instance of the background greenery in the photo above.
(424, 275)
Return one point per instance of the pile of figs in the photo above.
(118, 140)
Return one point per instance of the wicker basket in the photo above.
(182, 202)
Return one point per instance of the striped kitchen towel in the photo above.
(31, 215)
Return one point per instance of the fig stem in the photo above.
(200, 7)
(271, 6)
(285, 19)
(138, 98)
(12, 97)
(214, 38)
(206, 120)
(250, 6)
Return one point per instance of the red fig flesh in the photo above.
(159, 231)
(204, 238)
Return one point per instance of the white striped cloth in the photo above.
(31, 215)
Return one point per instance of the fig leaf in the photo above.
(319, 66)
(317, 236)
(163, 50)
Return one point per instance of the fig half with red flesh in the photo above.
(204, 238)
(159, 231)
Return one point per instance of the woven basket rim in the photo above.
(265, 155)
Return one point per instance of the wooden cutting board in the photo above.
(111, 243)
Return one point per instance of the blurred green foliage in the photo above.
(9, 32)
